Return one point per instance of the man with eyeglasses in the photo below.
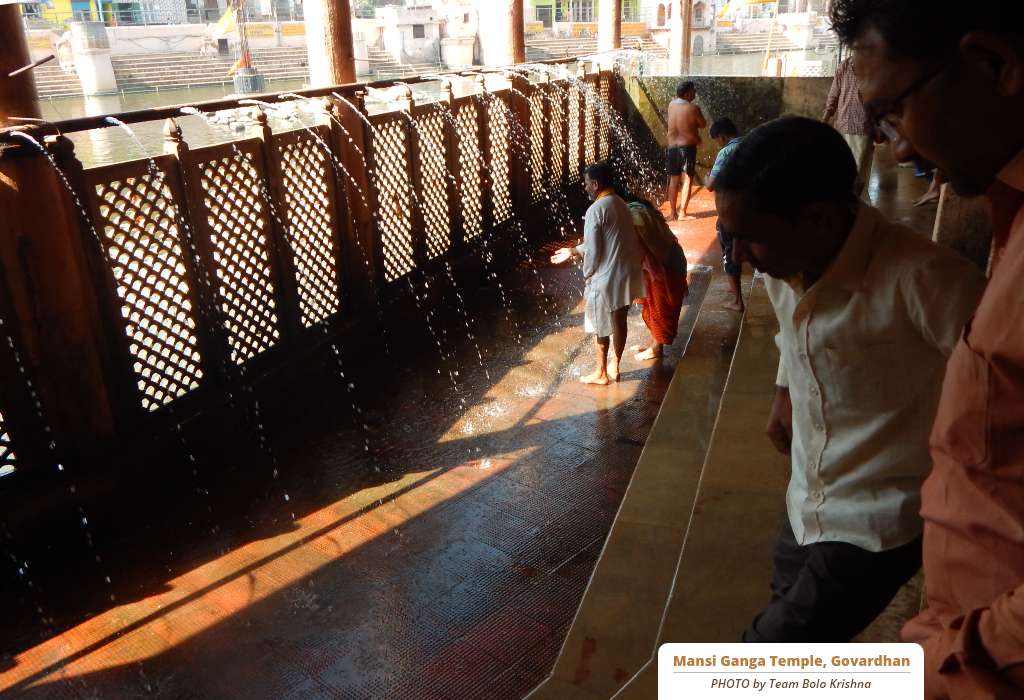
(844, 111)
(864, 337)
(911, 56)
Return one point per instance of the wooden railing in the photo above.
(210, 263)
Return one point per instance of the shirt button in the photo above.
(820, 428)
(814, 391)
(803, 357)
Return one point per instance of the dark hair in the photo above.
(723, 127)
(920, 29)
(684, 88)
(602, 173)
(788, 163)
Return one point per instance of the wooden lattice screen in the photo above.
(209, 260)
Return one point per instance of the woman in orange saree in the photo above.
(664, 277)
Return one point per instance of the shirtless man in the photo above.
(685, 120)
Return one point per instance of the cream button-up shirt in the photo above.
(863, 352)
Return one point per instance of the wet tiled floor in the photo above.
(445, 561)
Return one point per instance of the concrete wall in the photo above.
(398, 36)
(747, 101)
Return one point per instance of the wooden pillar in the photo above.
(609, 28)
(329, 42)
(451, 161)
(516, 32)
(484, 143)
(18, 96)
(353, 141)
(52, 295)
(283, 259)
(519, 163)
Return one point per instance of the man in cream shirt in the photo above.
(869, 312)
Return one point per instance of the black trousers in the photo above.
(829, 591)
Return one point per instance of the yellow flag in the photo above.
(225, 25)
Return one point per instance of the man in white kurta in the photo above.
(612, 267)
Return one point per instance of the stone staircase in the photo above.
(753, 43)
(164, 71)
(51, 81)
(546, 48)
(383, 66)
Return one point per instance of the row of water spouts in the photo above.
(557, 83)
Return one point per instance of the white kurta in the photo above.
(612, 260)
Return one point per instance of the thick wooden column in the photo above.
(609, 28)
(329, 42)
(18, 96)
(51, 294)
(516, 32)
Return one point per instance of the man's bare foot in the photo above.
(650, 353)
(600, 378)
(671, 217)
(927, 197)
(734, 306)
(687, 217)
(613, 370)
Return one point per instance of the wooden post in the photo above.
(415, 169)
(353, 142)
(609, 28)
(55, 305)
(449, 145)
(199, 264)
(548, 147)
(451, 154)
(329, 42)
(516, 32)
(519, 162)
(18, 96)
(484, 137)
(282, 263)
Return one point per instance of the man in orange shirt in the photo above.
(949, 85)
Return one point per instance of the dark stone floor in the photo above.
(444, 561)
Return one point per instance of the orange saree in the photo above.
(664, 274)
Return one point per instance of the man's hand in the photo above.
(563, 255)
(780, 421)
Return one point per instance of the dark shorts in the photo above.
(682, 159)
(725, 240)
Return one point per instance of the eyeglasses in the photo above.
(894, 107)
